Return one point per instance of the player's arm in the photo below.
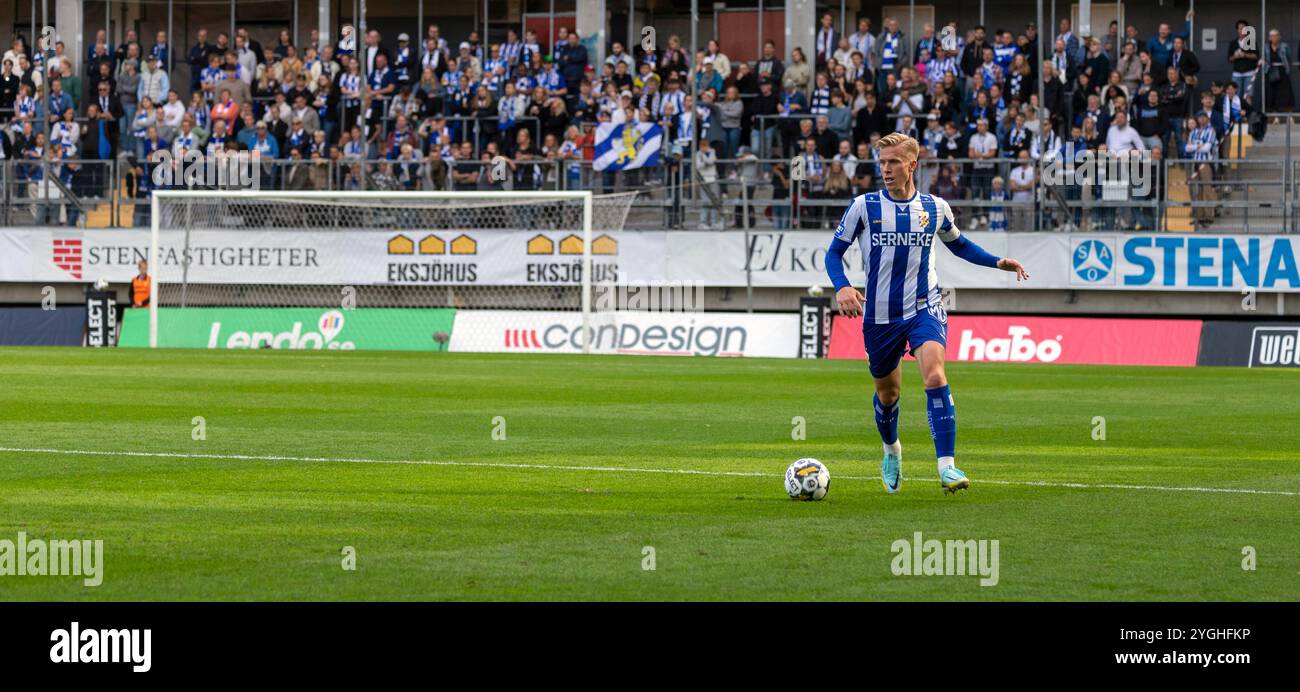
(847, 298)
(968, 250)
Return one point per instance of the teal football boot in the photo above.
(891, 470)
(952, 480)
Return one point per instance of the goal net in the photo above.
(342, 270)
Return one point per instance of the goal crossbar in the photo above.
(161, 196)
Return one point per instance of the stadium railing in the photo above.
(61, 201)
(1248, 195)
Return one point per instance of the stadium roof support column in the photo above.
(1038, 57)
(323, 18)
(911, 22)
(591, 29)
(1261, 44)
(8, 14)
(71, 19)
(800, 20)
(44, 69)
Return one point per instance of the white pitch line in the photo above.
(614, 469)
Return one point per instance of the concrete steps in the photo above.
(1178, 219)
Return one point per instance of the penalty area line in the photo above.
(610, 469)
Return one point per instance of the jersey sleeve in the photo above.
(853, 221)
(947, 223)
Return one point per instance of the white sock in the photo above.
(945, 463)
(896, 449)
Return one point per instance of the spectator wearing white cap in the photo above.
(707, 77)
(466, 63)
(403, 60)
(153, 81)
(619, 114)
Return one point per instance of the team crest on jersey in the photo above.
(923, 218)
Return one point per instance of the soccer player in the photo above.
(895, 229)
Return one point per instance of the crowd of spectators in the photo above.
(434, 113)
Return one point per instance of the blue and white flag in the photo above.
(627, 145)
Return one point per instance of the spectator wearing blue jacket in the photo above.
(59, 101)
(264, 143)
(1074, 50)
(573, 63)
(708, 78)
(1162, 44)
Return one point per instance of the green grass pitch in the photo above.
(480, 525)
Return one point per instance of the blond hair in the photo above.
(898, 139)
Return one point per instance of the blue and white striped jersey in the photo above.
(897, 244)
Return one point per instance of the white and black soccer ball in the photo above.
(807, 479)
(815, 291)
(101, 285)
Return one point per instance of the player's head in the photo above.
(897, 154)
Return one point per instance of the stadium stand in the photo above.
(428, 111)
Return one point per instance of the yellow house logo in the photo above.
(401, 245)
(604, 245)
(541, 245)
(464, 245)
(432, 245)
(572, 245)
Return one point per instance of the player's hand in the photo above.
(1007, 264)
(850, 301)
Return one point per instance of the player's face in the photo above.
(896, 168)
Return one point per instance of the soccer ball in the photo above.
(807, 479)
(815, 291)
(101, 285)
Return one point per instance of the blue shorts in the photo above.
(886, 342)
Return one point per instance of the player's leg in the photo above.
(885, 405)
(885, 344)
(928, 338)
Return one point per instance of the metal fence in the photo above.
(1220, 195)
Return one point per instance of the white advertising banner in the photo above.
(1113, 261)
(1165, 261)
(462, 257)
(636, 333)
(15, 255)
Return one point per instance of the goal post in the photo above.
(467, 250)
